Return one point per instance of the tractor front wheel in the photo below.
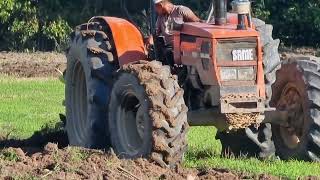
(147, 114)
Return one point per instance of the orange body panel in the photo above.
(217, 32)
(127, 39)
(201, 32)
(190, 57)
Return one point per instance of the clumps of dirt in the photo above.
(38, 64)
(46, 155)
(79, 163)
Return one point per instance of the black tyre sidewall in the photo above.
(95, 135)
(128, 82)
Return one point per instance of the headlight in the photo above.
(240, 73)
(246, 74)
(228, 74)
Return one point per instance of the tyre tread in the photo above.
(164, 94)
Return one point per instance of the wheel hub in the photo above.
(131, 122)
(291, 101)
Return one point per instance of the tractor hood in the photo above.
(206, 30)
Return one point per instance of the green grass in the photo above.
(28, 104)
(204, 152)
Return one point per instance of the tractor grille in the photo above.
(226, 47)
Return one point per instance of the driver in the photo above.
(167, 12)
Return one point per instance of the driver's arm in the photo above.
(188, 15)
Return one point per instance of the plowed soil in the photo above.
(45, 155)
(51, 162)
(32, 64)
(76, 163)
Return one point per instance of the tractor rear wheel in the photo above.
(147, 114)
(297, 90)
(88, 87)
(252, 141)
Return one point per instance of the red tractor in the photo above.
(225, 72)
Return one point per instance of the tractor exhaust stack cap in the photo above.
(243, 9)
(241, 6)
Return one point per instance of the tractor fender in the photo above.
(128, 40)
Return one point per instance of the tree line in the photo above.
(45, 24)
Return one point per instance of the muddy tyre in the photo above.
(297, 90)
(147, 114)
(88, 87)
(252, 141)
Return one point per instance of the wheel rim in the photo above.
(292, 101)
(79, 102)
(131, 128)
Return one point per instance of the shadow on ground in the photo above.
(39, 139)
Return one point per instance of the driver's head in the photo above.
(163, 7)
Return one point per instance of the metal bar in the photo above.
(211, 9)
(276, 117)
(208, 117)
(153, 20)
(223, 63)
(220, 12)
(236, 83)
(213, 117)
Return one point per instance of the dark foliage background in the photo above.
(30, 25)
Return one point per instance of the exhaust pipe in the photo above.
(220, 13)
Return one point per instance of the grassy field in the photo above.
(28, 104)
